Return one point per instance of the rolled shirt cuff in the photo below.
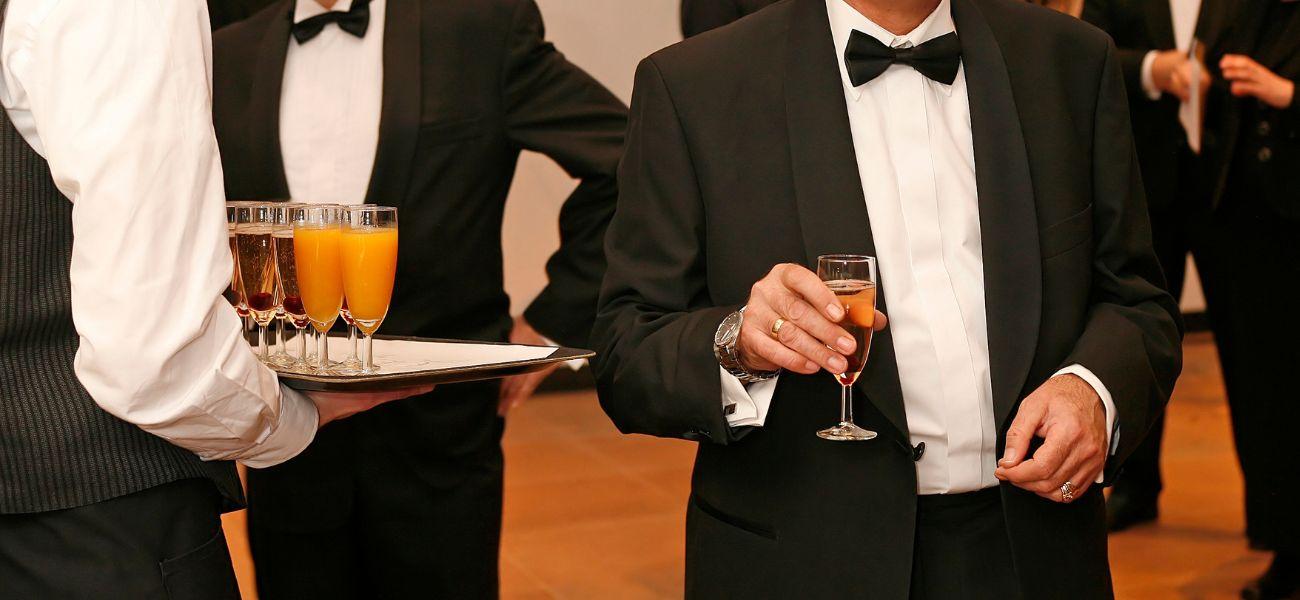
(1112, 433)
(1149, 82)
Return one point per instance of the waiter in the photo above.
(1252, 163)
(423, 105)
(125, 384)
(1155, 39)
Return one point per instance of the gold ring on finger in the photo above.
(776, 327)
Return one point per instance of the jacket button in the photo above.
(1265, 154)
(1264, 128)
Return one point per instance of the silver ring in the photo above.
(1067, 492)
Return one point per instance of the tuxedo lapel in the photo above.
(828, 190)
(1013, 278)
(263, 164)
(399, 121)
(1281, 53)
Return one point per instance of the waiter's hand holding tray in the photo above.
(403, 362)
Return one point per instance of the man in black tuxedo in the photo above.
(1252, 275)
(440, 97)
(981, 150)
(1154, 38)
(699, 16)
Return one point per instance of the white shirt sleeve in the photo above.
(746, 405)
(1112, 434)
(1149, 82)
(119, 96)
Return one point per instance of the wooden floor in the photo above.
(592, 514)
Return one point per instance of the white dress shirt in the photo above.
(1185, 14)
(916, 159)
(330, 105)
(117, 97)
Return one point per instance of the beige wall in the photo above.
(607, 38)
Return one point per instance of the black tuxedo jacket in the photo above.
(740, 157)
(1261, 154)
(699, 16)
(1138, 27)
(467, 86)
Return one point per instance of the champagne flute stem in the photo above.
(369, 365)
(322, 351)
(279, 337)
(352, 342)
(846, 402)
(302, 345)
(262, 350)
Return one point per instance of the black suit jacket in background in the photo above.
(1139, 27)
(225, 12)
(1262, 154)
(467, 87)
(740, 157)
(699, 16)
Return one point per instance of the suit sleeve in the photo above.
(557, 109)
(1132, 340)
(699, 16)
(1101, 14)
(656, 373)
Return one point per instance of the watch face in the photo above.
(729, 330)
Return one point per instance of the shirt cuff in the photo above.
(574, 365)
(1112, 432)
(746, 405)
(1149, 82)
(292, 434)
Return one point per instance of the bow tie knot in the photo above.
(938, 59)
(355, 21)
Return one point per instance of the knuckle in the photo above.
(797, 311)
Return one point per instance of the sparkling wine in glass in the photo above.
(369, 268)
(255, 245)
(235, 293)
(853, 280)
(316, 246)
(287, 270)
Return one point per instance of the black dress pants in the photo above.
(161, 543)
(1252, 280)
(962, 551)
(401, 502)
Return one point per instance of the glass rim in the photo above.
(847, 258)
(369, 208)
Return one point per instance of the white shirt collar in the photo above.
(844, 19)
(306, 9)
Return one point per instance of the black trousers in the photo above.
(1252, 280)
(962, 551)
(161, 543)
(403, 502)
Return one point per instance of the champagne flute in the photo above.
(853, 280)
(369, 268)
(352, 362)
(287, 271)
(235, 293)
(256, 247)
(316, 236)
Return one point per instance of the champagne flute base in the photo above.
(846, 432)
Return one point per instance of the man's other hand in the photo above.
(516, 389)
(1070, 417)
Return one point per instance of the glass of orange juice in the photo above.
(317, 245)
(369, 254)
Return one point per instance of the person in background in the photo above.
(424, 105)
(1030, 341)
(1251, 274)
(1154, 39)
(225, 12)
(699, 16)
(126, 387)
(1069, 7)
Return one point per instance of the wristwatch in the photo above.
(724, 349)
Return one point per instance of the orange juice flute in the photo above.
(369, 267)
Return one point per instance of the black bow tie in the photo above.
(355, 22)
(938, 59)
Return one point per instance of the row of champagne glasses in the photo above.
(310, 264)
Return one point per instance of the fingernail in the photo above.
(835, 311)
(810, 366)
(839, 364)
(1009, 456)
(846, 344)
